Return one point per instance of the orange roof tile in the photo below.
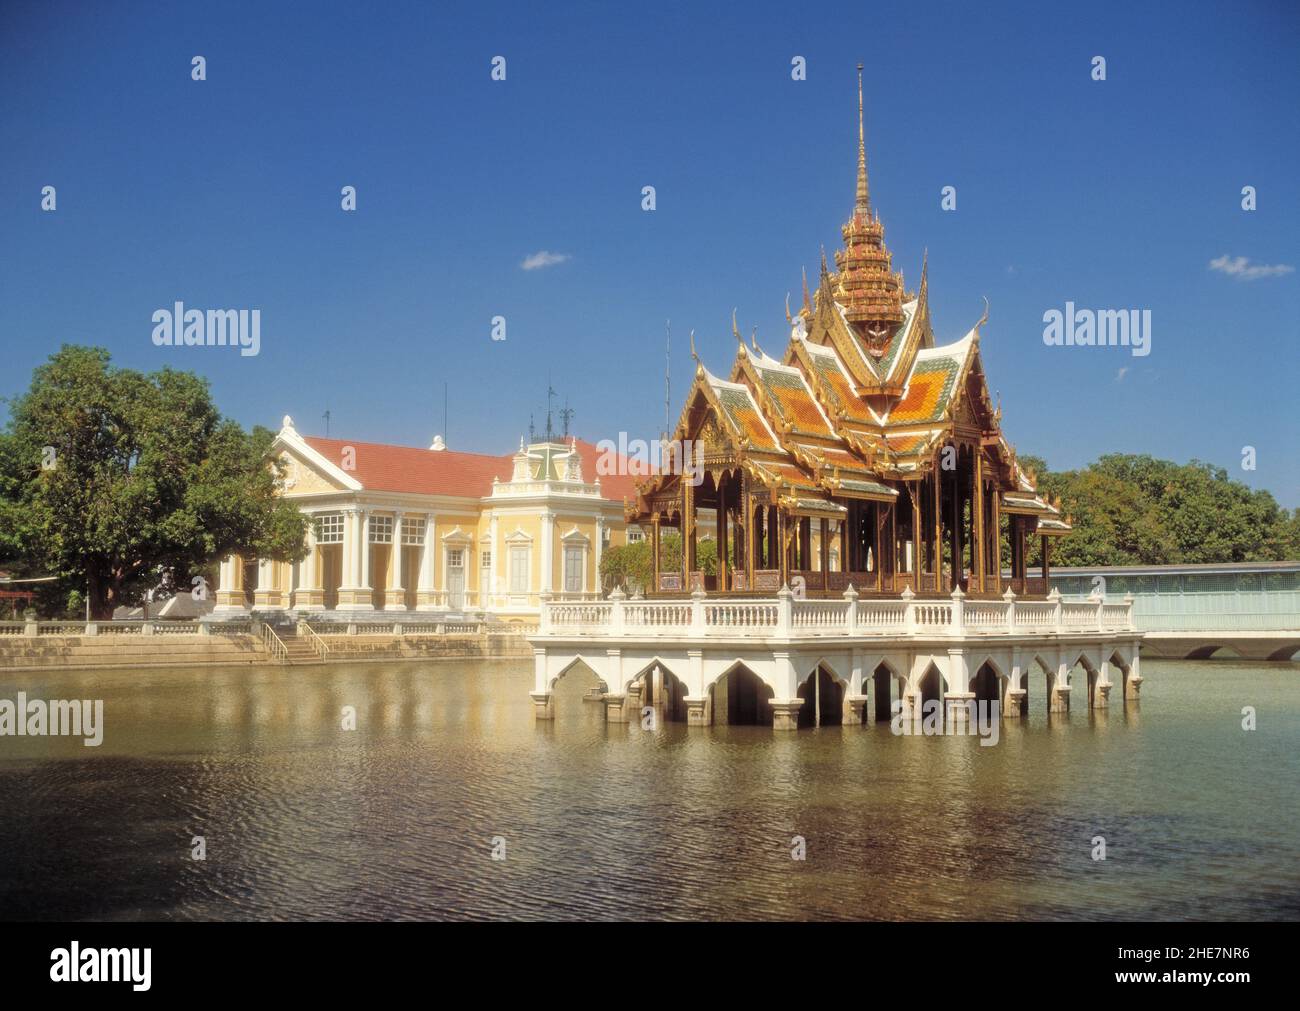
(382, 467)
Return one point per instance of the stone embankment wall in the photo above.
(46, 652)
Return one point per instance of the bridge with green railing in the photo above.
(1245, 609)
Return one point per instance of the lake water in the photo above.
(304, 820)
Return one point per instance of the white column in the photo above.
(548, 552)
(396, 592)
(265, 577)
(228, 599)
(495, 561)
(600, 546)
(426, 585)
(348, 573)
(363, 570)
(310, 576)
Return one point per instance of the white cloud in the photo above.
(543, 258)
(1119, 376)
(1243, 270)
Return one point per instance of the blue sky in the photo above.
(225, 193)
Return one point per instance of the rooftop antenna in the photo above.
(532, 429)
(566, 416)
(550, 395)
(326, 416)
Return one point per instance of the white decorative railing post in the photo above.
(958, 611)
(851, 617)
(146, 628)
(30, 627)
(1055, 599)
(909, 611)
(1101, 610)
(784, 611)
(1010, 598)
(616, 611)
(544, 612)
(697, 611)
(1128, 604)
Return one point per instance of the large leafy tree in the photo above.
(1137, 510)
(110, 478)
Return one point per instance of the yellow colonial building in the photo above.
(404, 529)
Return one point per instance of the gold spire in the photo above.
(863, 203)
(865, 284)
(807, 302)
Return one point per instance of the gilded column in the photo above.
(977, 515)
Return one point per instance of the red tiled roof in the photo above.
(380, 467)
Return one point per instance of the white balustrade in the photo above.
(786, 617)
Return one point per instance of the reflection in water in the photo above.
(303, 820)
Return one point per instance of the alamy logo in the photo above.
(75, 964)
(56, 718)
(982, 717)
(637, 458)
(1099, 328)
(181, 327)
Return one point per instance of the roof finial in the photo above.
(807, 302)
(863, 203)
(788, 317)
(753, 340)
(985, 318)
(735, 329)
(693, 354)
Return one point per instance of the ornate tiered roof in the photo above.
(863, 396)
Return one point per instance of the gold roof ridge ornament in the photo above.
(735, 329)
(693, 354)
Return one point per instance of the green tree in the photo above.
(1137, 510)
(110, 478)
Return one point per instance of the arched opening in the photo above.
(1082, 673)
(1048, 681)
(740, 698)
(1214, 651)
(823, 700)
(931, 687)
(882, 682)
(665, 691)
(1117, 664)
(576, 684)
(985, 684)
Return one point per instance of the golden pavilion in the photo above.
(866, 455)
